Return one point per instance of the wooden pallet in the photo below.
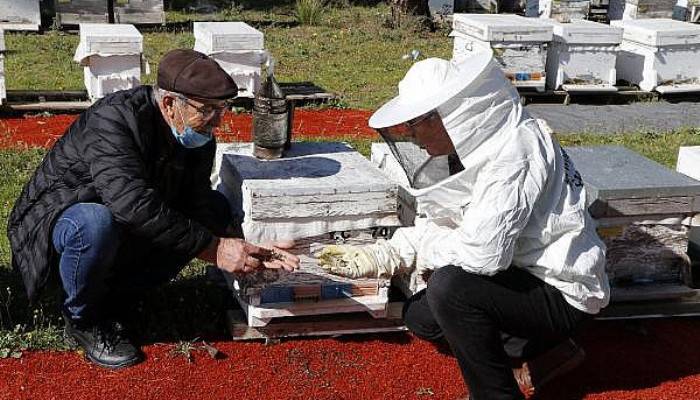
(316, 325)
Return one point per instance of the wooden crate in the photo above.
(139, 12)
(75, 12)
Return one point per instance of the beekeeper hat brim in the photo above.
(428, 84)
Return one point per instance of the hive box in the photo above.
(660, 54)
(237, 47)
(316, 189)
(19, 15)
(519, 44)
(75, 12)
(644, 213)
(563, 10)
(642, 9)
(112, 57)
(139, 12)
(582, 56)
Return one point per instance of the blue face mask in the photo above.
(190, 138)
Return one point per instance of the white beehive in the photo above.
(3, 94)
(20, 15)
(237, 47)
(582, 56)
(317, 188)
(112, 57)
(518, 43)
(660, 54)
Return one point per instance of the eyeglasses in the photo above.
(406, 130)
(205, 109)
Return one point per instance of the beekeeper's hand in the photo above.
(370, 261)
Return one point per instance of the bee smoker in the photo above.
(271, 115)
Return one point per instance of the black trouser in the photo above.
(488, 320)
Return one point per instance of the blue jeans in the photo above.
(102, 266)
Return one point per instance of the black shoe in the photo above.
(532, 375)
(104, 344)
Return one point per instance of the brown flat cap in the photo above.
(194, 74)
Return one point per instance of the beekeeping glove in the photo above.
(371, 261)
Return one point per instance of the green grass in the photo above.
(192, 306)
(351, 51)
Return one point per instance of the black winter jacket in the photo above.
(120, 153)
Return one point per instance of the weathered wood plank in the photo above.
(323, 205)
(319, 325)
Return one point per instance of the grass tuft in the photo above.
(309, 12)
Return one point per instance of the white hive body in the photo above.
(518, 43)
(112, 57)
(3, 93)
(660, 54)
(316, 189)
(20, 15)
(237, 47)
(76, 12)
(319, 194)
(644, 214)
(139, 12)
(562, 10)
(643, 9)
(582, 56)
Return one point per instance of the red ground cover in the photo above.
(643, 361)
(42, 131)
(655, 359)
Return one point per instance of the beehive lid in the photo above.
(584, 32)
(502, 28)
(659, 32)
(314, 180)
(613, 174)
(212, 37)
(108, 40)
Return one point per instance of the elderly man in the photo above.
(502, 226)
(122, 203)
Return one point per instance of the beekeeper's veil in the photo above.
(468, 97)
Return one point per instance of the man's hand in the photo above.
(237, 255)
(354, 262)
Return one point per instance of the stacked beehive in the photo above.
(319, 194)
(19, 15)
(237, 47)
(112, 57)
(644, 212)
(519, 44)
(660, 54)
(582, 56)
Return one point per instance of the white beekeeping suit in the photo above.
(517, 202)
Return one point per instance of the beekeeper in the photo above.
(502, 225)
